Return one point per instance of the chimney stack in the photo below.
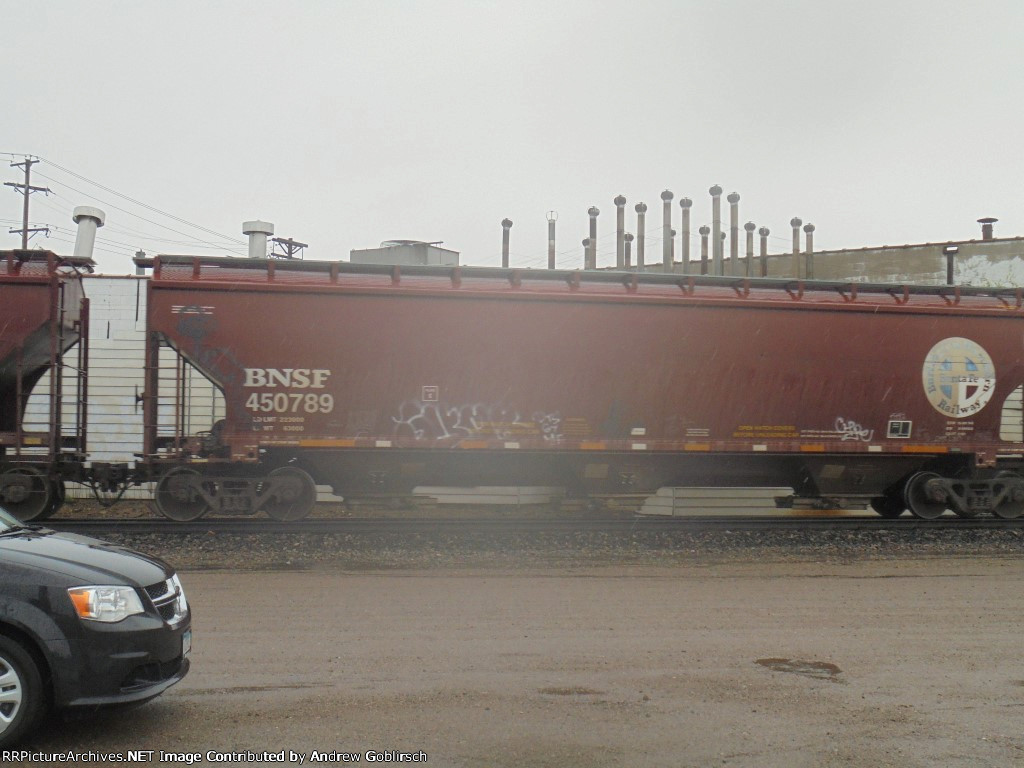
(627, 240)
(620, 231)
(641, 218)
(716, 229)
(986, 227)
(734, 231)
(258, 232)
(750, 227)
(685, 203)
(593, 212)
(88, 220)
(704, 232)
(764, 232)
(506, 225)
(809, 248)
(795, 224)
(666, 236)
(552, 218)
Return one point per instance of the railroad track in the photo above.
(453, 526)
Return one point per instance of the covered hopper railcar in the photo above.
(377, 379)
(43, 315)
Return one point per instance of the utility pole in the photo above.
(26, 189)
(292, 248)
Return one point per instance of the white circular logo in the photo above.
(959, 377)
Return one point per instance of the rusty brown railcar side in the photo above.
(374, 378)
(43, 315)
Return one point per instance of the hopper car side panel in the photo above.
(43, 314)
(377, 385)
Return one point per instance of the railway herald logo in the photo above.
(959, 377)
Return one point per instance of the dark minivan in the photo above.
(83, 624)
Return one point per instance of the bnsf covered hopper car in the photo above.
(43, 314)
(378, 379)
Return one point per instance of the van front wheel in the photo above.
(22, 698)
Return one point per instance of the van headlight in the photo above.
(106, 604)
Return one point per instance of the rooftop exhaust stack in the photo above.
(620, 232)
(258, 232)
(986, 228)
(88, 220)
(506, 225)
(641, 221)
(552, 218)
(684, 244)
(764, 232)
(593, 213)
(716, 230)
(795, 224)
(666, 228)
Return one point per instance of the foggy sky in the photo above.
(349, 123)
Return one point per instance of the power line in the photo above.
(143, 218)
(142, 204)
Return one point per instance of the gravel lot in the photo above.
(663, 648)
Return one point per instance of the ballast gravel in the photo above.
(471, 548)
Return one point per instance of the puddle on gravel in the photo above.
(819, 670)
(570, 691)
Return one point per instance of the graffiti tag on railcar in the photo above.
(441, 421)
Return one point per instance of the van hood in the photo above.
(82, 560)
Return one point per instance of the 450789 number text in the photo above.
(289, 402)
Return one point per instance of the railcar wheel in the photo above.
(56, 500)
(177, 498)
(26, 493)
(1013, 506)
(22, 696)
(889, 507)
(293, 496)
(925, 496)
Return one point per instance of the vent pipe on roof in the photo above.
(627, 241)
(716, 230)
(258, 232)
(704, 232)
(986, 227)
(666, 231)
(684, 243)
(506, 225)
(749, 267)
(764, 232)
(795, 224)
(593, 212)
(620, 231)
(641, 220)
(88, 219)
(734, 232)
(552, 218)
(809, 247)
